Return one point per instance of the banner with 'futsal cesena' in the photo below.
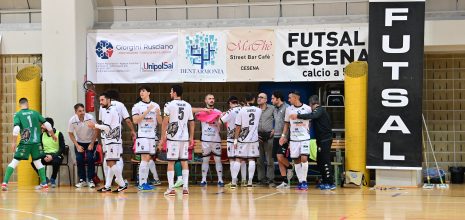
(318, 54)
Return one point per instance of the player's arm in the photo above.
(283, 138)
(191, 132)
(131, 127)
(164, 126)
(197, 110)
(315, 114)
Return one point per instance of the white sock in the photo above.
(298, 171)
(205, 166)
(231, 166)
(251, 171)
(153, 169)
(185, 178)
(304, 171)
(243, 170)
(120, 164)
(118, 175)
(236, 166)
(179, 178)
(109, 177)
(219, 168)
(142, 172)
(106, 168)
(170, 175)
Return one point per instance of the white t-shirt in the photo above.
(147, 128)
(299, 129)
(120, 108)
(211, 131)
(180, 113)
(248, 118)
(230, 119)
(82, 132)
(111, 118)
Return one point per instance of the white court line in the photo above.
(33, 213)
(272, 194)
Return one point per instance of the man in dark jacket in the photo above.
(53, 151)
(324, 138)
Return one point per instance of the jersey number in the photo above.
(181, 113)
(252, 119)
(30, 121)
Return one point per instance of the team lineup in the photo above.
(278, 131)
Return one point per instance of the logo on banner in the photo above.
(201, 49)
(104, 49)
(153, 67)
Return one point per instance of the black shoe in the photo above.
(249, 186)
(121, 189)
(104, 189)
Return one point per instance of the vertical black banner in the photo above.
(395, 77)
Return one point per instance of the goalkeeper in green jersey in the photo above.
(28, 124)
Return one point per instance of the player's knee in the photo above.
(14, 163)
(38, 164)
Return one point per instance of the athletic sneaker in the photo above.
(244, 183)
(53, 183)
(145, 187)
(121, 188)
(4, 187)
(304, 186)
(178, 183)
(91, 184)
(249, 186)
(283, 185)
(331, 186)
(81, 184)
(233, 186)
(203, 184)
(43, 186)
(157, 182)
(170, 192)
(220, 184)
(104, 189)
(327, 187)
(185, 192)
(299, 186)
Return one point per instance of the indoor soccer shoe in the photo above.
(304, 186)
(220, 184)
(331, 186)
(178, 183)
(283, 185)
(145, 187)
(121, 188)
(157, 183)
(4, 187)
(170, 192)
(104, 189)
(244, 183)
(185, 192)
(299, 186)
(233, 186)
(43, 186)
(203, 184)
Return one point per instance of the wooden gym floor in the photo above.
(222, 203)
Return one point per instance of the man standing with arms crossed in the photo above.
(299, 139)
(265, 133)
(178, 133)
(28, 123)
(146, 114)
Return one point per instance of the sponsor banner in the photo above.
(202, 56)
(318, 54)
(132, 57)
(250, 55)
(395, 78)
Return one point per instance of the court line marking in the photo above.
(272, 194)
(33, 213)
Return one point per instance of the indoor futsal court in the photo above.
(232, 109)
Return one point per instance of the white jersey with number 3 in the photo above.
(147, 128)
(299, 129)
(180, 113)
(248, 118)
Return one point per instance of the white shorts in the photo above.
(231, 150)
(145, 146)
(299, 148)
(247, 150)
(114, 152)
(177, 150)
(209, 148)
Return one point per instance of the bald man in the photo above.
(265, 166)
